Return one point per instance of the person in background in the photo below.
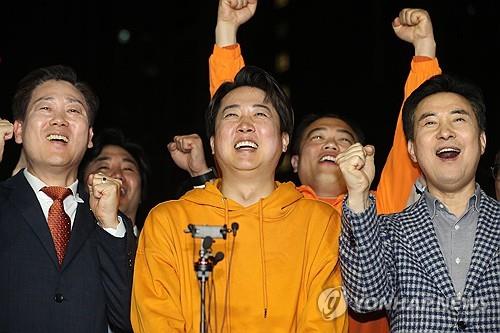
(495, 170)
(115, 156)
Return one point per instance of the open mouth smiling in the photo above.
(448, 153)
(57, 138)
(245, 145)
(327, 159)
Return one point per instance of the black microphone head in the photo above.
(218, 257)
(207, 242)
(234, 227)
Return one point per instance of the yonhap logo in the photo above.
(331, 303)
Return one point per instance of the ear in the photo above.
(18, 131)
(285, 140)
(411, 151)
(482, 139)
(212, 145)
(294, 161)
(90, 144)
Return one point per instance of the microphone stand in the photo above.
(203, 267)
(206, 261)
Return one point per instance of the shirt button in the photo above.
(457, 260)
(59, 298)
(457, 227)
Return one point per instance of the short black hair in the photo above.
(251, 76)
(32, 80)
(116, 137)
(443, 83)
(309, 118)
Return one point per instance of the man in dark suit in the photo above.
(49, 283)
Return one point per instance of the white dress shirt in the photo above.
(70, 203)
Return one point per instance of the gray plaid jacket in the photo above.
(394, 261)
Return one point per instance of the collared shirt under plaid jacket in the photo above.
(394, 261)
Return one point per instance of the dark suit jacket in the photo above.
(395, 261)
(90, 290)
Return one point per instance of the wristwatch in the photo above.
(200, 180)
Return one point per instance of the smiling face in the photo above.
(116, 162)
(320, 144)
(448, 142)
(55, 132)
(247, 133)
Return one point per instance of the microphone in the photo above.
(218, 257)
(234, 228)
(207, 243)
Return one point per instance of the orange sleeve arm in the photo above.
(223, 64)
(399, 172)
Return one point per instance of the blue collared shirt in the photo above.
(455, 236)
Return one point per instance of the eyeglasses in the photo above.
(494, 171)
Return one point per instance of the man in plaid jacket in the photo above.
(435, 266)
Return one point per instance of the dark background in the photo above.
(342, 55)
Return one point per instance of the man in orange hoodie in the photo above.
(280, 272)
(319, 138)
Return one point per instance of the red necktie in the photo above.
(59, 222)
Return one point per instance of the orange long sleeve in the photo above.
(223, 65)
(399, 172)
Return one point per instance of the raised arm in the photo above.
(226, 59)
(6, 132)
(188, 154)
(400, 173)
(357, 165)
(365, 253)
(115, 248)
(367, 259)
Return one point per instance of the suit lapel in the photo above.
(82, 228)
(486, 243)
(25, 200)
(426, 247)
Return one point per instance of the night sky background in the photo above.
(343, 57)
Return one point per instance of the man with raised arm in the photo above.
(435, 265)
(320, 137)
(67, 256)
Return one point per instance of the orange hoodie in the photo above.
(285, 254)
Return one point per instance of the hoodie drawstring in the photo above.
(227, 297)
(263, 257)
